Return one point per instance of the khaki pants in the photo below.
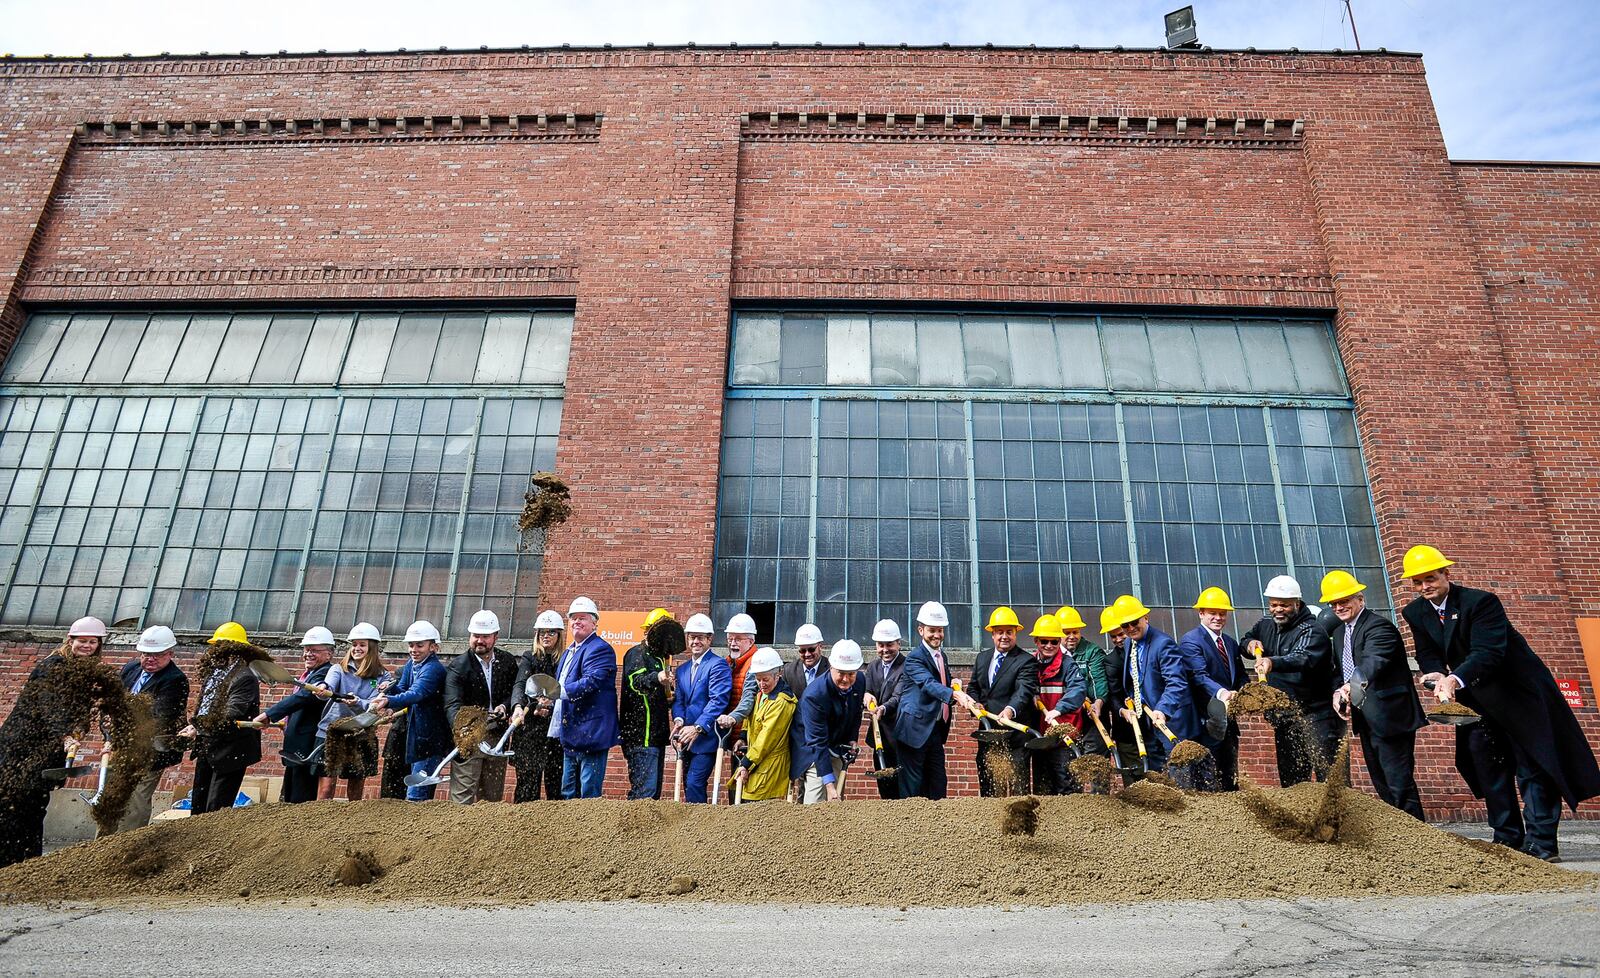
(137, 815)
(478, 779)
(817, 791)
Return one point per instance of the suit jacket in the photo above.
(702, 698)
(464, 686)
(1392, 707)
(886, 692)
(421, 688)
(168, 690)
(1508, 684)
(924, 693)
(830, 718)
(303, 711)
(231, 748)
(1164, 682)
(587, 672)
(1015, 685)
(794, 673)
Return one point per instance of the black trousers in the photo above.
(1052, 774)
(1391, 764)
(538, 767)
(395, 766)
(1226, 753)
(1306, 749)
(24, 798)
(213, 789)
(922, 771)
(889, 787)
(1002, 770)
(300, 782)
(1530, 826)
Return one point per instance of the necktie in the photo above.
(938, 662)
(1138, 689)
(1441, 615)
(1349, 654)
(994, 668)
(138, 684)
(1222, 653)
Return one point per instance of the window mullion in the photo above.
(1277, 491)
(461, 519)
(974, 598)
(1127, 501)
(811, 528)
(316, 515)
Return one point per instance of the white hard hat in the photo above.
(583, 606)
(765, 660)
(422, 631)
(365, 630)
(318, 636)
(808, 634)
(156, 638)
(741, 625)
(886, 631)
(484, 622)
(549, 620)
(699, 625)
(933, 613)
(1283, 586)
(845, 655)
(87, 628)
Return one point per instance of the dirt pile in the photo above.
(1257, 697)
(1153, 795)
(1086, 848)
(1312, 815)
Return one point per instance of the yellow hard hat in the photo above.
(1214, 599)
(1424, 559)
(1338, 585)
(1108, 620)
(1047, 626)
(1129, 609)
(656, 616)
(1067, 616)
(230, 631)
(1002, 617)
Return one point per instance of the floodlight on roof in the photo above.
(1181, 30)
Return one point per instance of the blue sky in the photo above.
(1510, 80)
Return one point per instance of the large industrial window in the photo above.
(874, 461)
(282, 469)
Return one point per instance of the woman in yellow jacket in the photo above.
(764, 769)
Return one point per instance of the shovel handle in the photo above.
(1171, 737)
(1105, 734)
(1138, 735)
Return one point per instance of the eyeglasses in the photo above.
(1047, 641)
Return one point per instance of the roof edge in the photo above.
(1573, 164)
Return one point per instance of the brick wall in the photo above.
(1194, 179)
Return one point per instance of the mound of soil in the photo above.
(1258, 698)
(1086, 848)
(1187, 752)
(1152, 795)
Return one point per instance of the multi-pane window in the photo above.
(279, 469)
(874, 461)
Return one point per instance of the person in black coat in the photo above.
(537, 755)
(229, 692)
(882, 677)
(1528, 737)
(1005, 680)
(54, 704)
(302, 767)
(1297, 656)
(484, 677)
(1371, 658)
(153, 674)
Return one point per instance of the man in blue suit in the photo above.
(420, 689)
(1157, 680)
(704, 687)
(585, 713)
(1215, 673)
(923, 723)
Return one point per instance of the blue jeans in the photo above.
(644, 772)
(583, 773)
(423, 766)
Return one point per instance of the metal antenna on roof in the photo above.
(1351, 13)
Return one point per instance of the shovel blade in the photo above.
(420, 780)
(486, 748)
(990, 736)
(1452, 719)
(270, 672)
(1044, 743)
(62, 773)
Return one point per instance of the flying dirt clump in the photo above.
(1094, 771)
(1257, 697)
(359, 869)
(547, 503)
(470, 729)
(1021, 817)
(1321, 823)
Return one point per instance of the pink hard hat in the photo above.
(88, 628)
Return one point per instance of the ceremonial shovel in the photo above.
(420, 779)
(1450, 719)
(276, 675)
(1138, 736)
(499, 749)
(71, 770)
(364, 721)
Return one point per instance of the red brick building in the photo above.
(264, 318)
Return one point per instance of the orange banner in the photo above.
(623, 629)
(1589, 635)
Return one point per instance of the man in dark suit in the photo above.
(1370, 657)
(1157, 680)
(1215, 673)
(883, 685)
(153, 673)
(1116, 670)
(1294, 655)
(486, 678)
(302, 709)
(800, 673)
(926, 697)
(1528, 737)
(1005, 680)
